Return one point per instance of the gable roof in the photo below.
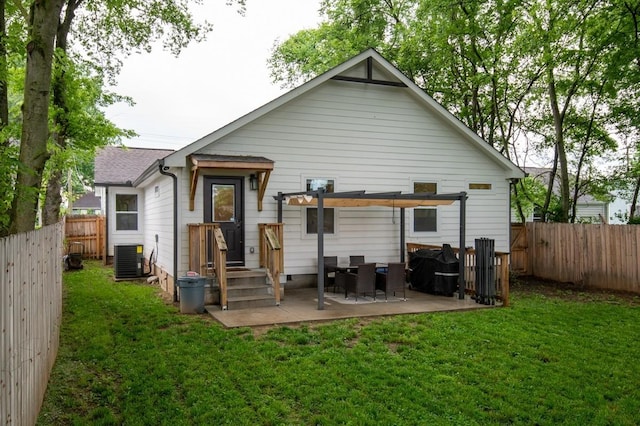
(378, 71)
(119, 165)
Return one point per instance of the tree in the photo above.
(42, 24)
(512, 71)
(625, 67)
(105, 31)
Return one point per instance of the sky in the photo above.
(212, 83)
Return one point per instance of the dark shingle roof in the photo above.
(117, 165)
(87, 201)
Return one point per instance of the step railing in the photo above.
(208, 254)
(501, 266)
(271, 254)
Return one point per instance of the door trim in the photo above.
(235, 254)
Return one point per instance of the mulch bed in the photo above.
(570, 291)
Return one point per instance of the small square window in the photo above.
(316, 184)
(429, 187)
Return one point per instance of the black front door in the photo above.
(223, 205)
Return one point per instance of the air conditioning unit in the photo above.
(128, 261)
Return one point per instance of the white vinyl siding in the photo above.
(158, 220)
(373, 138)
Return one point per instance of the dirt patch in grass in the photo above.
(570, 291)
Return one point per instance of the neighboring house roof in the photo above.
(383, 70)
(543, 174)
(87, 201)
(116, 165)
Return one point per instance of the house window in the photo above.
(537, 214)
(481, 186)
(425, 219)
(126, 212)
(312, 221)
(312, 212)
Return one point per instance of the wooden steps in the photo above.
(247, 289)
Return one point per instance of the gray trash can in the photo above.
(191, 294)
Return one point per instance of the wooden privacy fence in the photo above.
(89, 230)
(30, 317)
(519, 244)
(598, 256)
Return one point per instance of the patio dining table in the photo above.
(342, 270)
(349, 268)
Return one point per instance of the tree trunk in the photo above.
(561, 150)
(4, 92)
(53, 199)
(519, 210)
(634, 201)
(43, 24)
(552, 178)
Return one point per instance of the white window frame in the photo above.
(435, 208)
(303, 230)
(128, 212)
(491, 191)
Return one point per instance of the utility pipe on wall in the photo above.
(163, 171)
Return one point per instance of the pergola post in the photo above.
(461, 282)
(279, 207)
(402, 231)
(320, 251)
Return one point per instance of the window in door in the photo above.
(425, 219)
(126, 212)
(223, 203)
(328, 185)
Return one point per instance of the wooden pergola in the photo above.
(322, 199)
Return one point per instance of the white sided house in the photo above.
(588, 208)
(362, 126)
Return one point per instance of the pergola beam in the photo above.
(321, 199)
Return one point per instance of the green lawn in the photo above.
(127, 357)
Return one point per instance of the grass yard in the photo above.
(553, 357)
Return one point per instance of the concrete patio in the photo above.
(301, 306)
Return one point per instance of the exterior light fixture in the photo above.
(253, 182)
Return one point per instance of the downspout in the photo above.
(106, 225)
(163, 171)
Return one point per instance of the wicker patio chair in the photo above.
(364, 281)
(395, 280)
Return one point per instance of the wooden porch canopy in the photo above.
(260, 165)
(321, 199)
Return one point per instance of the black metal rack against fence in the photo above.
(485, 271)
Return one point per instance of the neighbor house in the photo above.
(362, 126)
(588, 208)
(87, 204)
